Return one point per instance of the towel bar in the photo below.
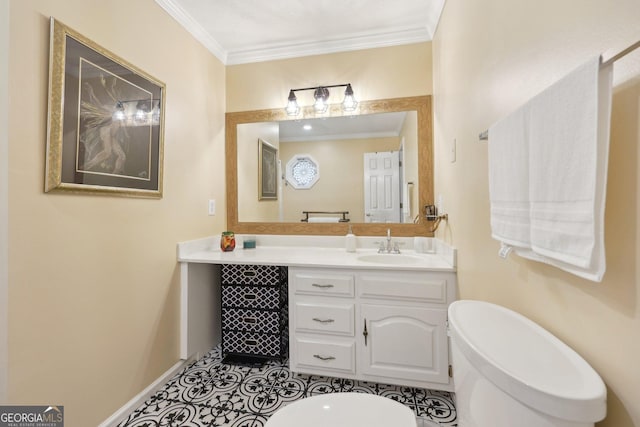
(343, 213)
(484, 136)
(621, 54)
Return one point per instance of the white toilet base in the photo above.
(476, 396)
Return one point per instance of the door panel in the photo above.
(405, 342)
(382, 186)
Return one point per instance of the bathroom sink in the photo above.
(395, 259)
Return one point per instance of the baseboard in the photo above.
(145, 394)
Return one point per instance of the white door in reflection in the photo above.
(382, 186)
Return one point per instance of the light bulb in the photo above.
(349, 104)
(292, 107)
(321, 95)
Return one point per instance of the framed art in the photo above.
(106, 121)
(267, 171)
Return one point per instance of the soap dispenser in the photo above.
(350, 240)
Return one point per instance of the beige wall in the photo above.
(410, 164)
(389, 72)
(489, 57)
(4, 195)
(250, 208)
(341, 183)
(93, 281)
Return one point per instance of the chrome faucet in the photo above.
(389, 247)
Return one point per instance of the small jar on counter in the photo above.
(227, 241)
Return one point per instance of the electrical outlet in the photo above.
(212, 207)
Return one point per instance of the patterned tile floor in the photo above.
(211, 393)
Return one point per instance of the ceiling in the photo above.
(244, 31)
(342, 127)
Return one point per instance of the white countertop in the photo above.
(319, 251)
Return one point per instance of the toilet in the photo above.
(508, 371)
(343, 410)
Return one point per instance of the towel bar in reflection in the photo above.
(343, 213)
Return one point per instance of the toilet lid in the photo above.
(344, 410)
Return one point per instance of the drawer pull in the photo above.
(250, 296)
(251, 343)
(317, 356)
(249, 273)
(318, 285)
(323, 320)
(251, 320)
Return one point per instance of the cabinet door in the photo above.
(404, 342)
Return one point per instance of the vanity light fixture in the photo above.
(321, 97)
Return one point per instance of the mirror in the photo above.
(250, 215)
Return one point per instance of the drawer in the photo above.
(318, 283)
(252, 343)
(251, 320)
(265, 297)
(401, 286)
(326, 354)
(239, 274)
(336, 319)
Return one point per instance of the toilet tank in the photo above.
(508, 371)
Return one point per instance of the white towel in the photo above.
(324, 219)
(406, 201)
(509, 179)
(567, 132)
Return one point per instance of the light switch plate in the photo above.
(212, 207)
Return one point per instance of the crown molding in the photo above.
(269, 52)
(193, 27)
(323, 46)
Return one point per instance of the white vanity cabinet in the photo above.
(322, 322)
(387, 326)
(403, 320)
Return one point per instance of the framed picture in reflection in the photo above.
(267, 171)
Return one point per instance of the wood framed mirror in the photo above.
(417, 227)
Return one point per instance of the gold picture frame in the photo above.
(105, 129)
(267, 171)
